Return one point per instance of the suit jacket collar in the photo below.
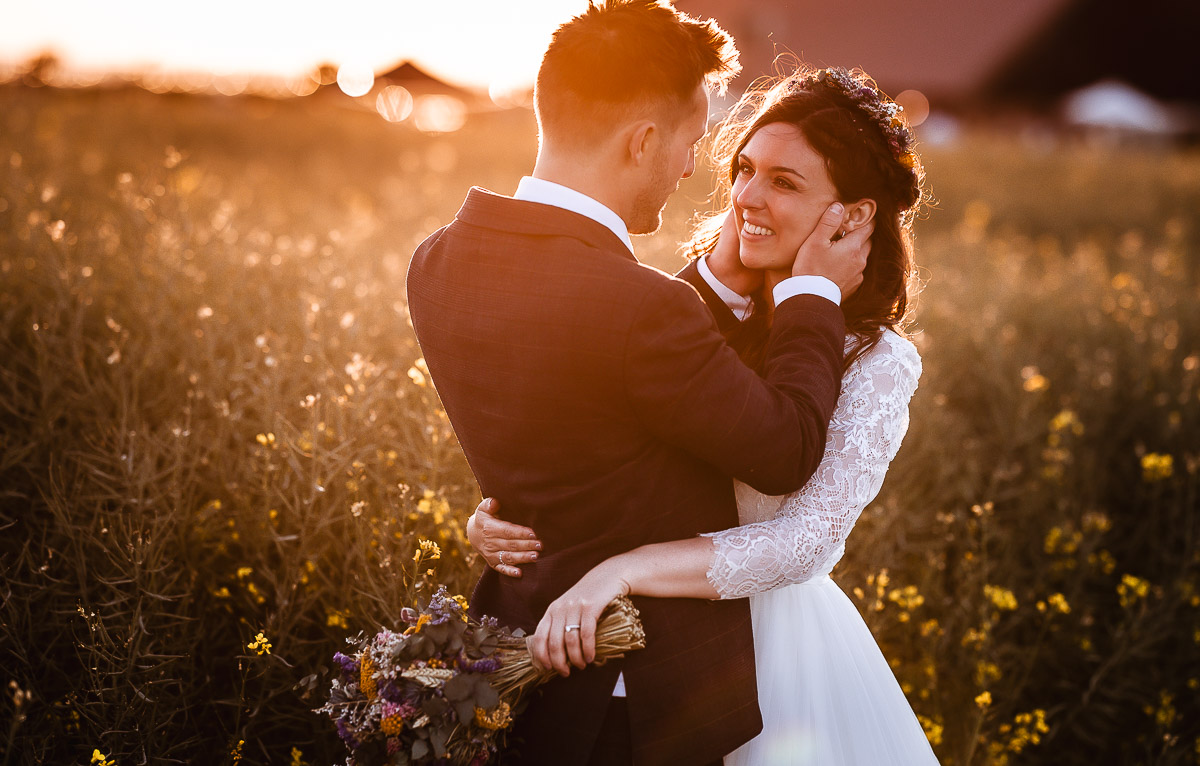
(494, 211)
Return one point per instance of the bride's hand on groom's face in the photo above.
(502, 544)
(726, 264)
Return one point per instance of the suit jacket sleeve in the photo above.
(726, 321)
(691, 389)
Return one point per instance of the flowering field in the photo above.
(220, 454)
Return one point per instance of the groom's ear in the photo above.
(858, 214)
(640, 137)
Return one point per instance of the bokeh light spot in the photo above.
(916, 106)
(394, 103)
(355, 79)
(439, 114)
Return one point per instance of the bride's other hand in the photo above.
(502, 544)
(552, 645)
(726, 264)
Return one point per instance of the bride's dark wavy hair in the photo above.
(864, 162)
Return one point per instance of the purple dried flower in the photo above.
(348, 665)
(486, 665)
(347, 734)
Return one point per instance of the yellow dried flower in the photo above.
(366, 677)
(100, 759)
(983, 700)
(392, 725)
(499, 718)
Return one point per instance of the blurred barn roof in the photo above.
(959, 53)
(419, 82)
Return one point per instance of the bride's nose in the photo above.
(749, 196)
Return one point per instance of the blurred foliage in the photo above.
(216, 433)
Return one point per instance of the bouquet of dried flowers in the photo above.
(446, 688)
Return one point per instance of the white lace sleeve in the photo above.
(807, 535)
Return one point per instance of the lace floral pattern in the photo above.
(801, 536)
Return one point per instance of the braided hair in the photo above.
(868, 153)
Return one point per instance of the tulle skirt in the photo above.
(827, 695)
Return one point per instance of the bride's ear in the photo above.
(858, 214)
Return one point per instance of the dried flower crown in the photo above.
(863, 93)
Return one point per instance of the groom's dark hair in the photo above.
(625, 55)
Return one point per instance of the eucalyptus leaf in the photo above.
(460, 687)
(420, 749)
(438, 738)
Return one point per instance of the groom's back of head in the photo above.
(622, 57)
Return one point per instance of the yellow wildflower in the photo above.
(100, 759)
(428, 549)
(1003, 598)
(1034, 380)
(1067, 420)
(260, 644)
(1059, 602)
(462, 602)
(983, 700)
(1132, 589)
(298, 757)
(986, 671)
(933, 730)
(336, 618)
(244, 572)
(1156, 467)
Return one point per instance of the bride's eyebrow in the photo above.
(782, 169)
(776, 169)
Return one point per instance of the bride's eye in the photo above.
(783, 183)
(744, 169)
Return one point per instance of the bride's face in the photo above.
(781, 189)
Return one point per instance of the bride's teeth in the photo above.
(750, 228)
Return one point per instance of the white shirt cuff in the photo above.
(809, 284)
(739, 304)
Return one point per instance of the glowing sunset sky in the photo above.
(478, 42)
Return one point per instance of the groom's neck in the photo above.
(592, 178)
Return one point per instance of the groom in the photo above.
(595, 398)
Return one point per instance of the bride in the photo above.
(826, 692)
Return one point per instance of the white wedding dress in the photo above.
(827, 695)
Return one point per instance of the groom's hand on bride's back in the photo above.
(835, 254)
(502, 544)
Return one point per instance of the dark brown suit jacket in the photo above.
(595, 398)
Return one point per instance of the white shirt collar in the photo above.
(549, 193)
